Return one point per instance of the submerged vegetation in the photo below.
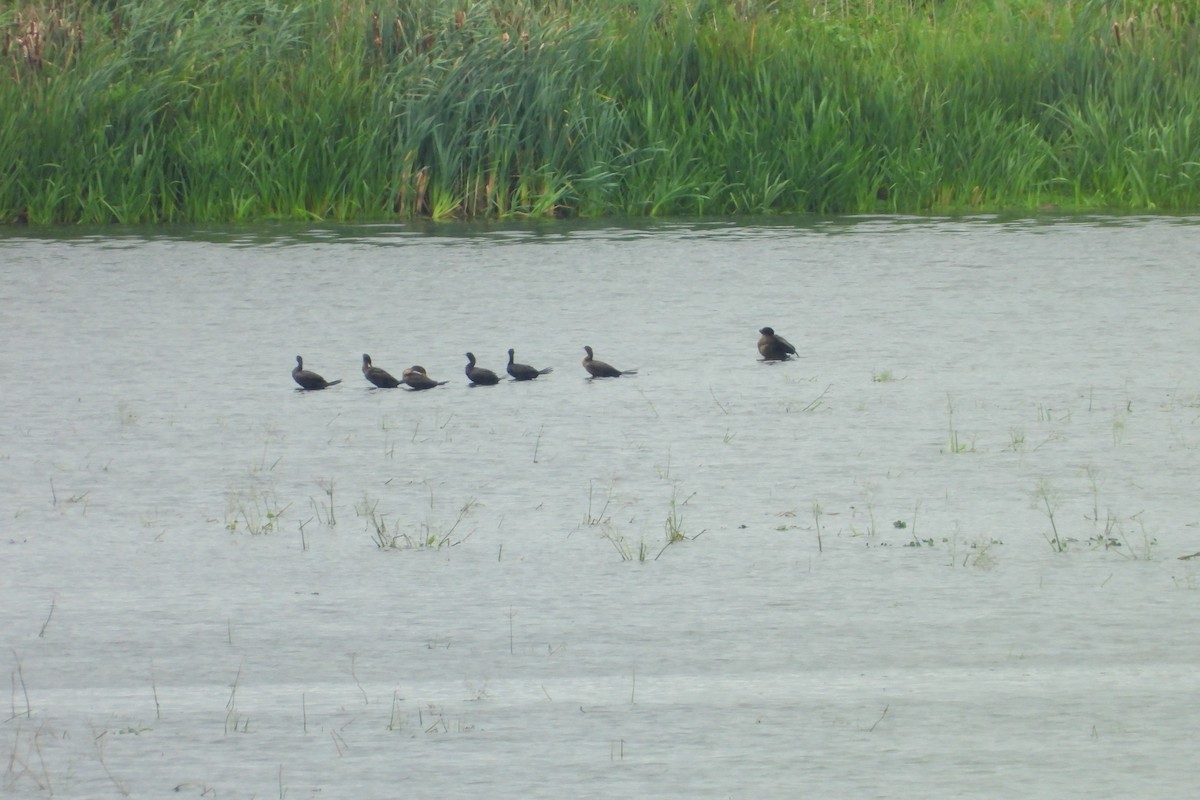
(227, 110)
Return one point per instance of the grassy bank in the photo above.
(186, 110)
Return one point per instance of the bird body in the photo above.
(377, 375)
(774, 348)
(478, 376)
(308, 379)
(524, 372)
(598, 369)
(416, 379)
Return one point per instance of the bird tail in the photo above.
(334, 383)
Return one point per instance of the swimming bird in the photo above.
(416, 379)
(309, 379)
(377, 375)
(524, 372)
(774, 348)
(598, 369)
(478, 376)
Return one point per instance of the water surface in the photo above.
(869, 599)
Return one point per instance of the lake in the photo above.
(944, 552)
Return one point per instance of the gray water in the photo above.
(940, 554)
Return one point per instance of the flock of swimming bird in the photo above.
(770, 346)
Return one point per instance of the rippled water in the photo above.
(219, 585)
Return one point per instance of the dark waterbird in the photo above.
(774, 348)
(377, 375)
(308, 379)
(524, 372)
(598, 369)
(478, 376)
(416, 379)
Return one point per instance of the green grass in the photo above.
(228, 110)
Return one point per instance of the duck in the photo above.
(774, 348)
(308, 379)
(478, 376)
(377, 375)
(598, 369)
(417, 379)
(524, 372)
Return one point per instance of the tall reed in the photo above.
(227, 110)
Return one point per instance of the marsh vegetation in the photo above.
(157, 110)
